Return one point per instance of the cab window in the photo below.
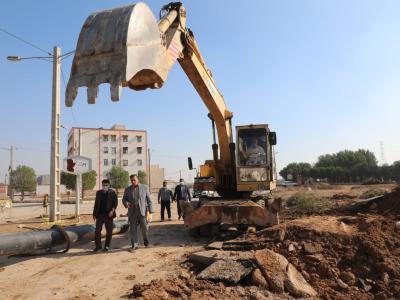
(252, 146)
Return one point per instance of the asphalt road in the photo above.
(31, 210)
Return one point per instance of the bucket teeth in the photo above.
(70, 96)
(122, 47)
(115, 90)
(92, 94)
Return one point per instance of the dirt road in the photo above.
(80, 274)
(361, 246)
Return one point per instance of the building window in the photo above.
(139, 150)
(113, 150)
(139, 162)
(125, 150)
(105, 162)
(125, 138)
(113, 138)
(105, 138)
(105, 150)
(139, 138)
(113, 161)
(125, 162)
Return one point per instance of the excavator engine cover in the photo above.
(122, 47)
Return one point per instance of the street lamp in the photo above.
(55, 172)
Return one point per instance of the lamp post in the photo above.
(55, 171)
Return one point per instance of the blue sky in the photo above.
(323, 74)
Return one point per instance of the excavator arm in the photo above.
(173, 27)
(126, 47)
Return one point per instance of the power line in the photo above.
(63, 78)
(24, 41)
(66, 55)
(32, 149)
(25, 149)
(65, 87)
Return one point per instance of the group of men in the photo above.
(137, 200)
(165, 198)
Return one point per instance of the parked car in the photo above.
(286, 183)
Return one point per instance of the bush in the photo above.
(372, 193)
(307, 203)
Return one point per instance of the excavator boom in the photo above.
(127, 47)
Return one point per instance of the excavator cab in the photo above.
(255, 165)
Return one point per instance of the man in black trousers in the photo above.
(103, 213)
(164, 198)
(181, 193)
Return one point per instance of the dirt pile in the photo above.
(348, 257)
(390, 203)
(340, 256)
(191, 288)
(341, 263)
(387, 204)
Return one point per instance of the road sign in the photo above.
(78, 164)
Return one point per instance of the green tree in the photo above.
(296, 169)
(384, 173)
(142, 177)
(88, 181)
(396, 170)
(347, 166)
(119, 178)
(23, 179)
(69, 180)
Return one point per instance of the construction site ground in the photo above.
(341, 253)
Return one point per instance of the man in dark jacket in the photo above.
(164, 198)
(181, 193)
(103, 213)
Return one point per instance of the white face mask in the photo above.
(105, 188)
(181, 183)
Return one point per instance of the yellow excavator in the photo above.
(127, 47)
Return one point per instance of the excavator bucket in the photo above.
(122, 47)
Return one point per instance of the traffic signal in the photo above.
(70, 165)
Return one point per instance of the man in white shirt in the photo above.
(255, 154)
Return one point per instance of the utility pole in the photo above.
(148, 150)
(78, 185)
(55, 172)
(180, 174)
(10, 169)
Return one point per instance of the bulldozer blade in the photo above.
(228, 212)
(122, 47)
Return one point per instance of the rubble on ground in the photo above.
(229, 271)
(334, 256)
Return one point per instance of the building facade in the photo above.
(157, 177)
(116, 146)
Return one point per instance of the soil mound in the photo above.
(191, 288)
(339, 263)
(390, 203)
(360, 264)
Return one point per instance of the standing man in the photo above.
(165, 197)
(138, 201)
(103, 213)
(181, 193)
